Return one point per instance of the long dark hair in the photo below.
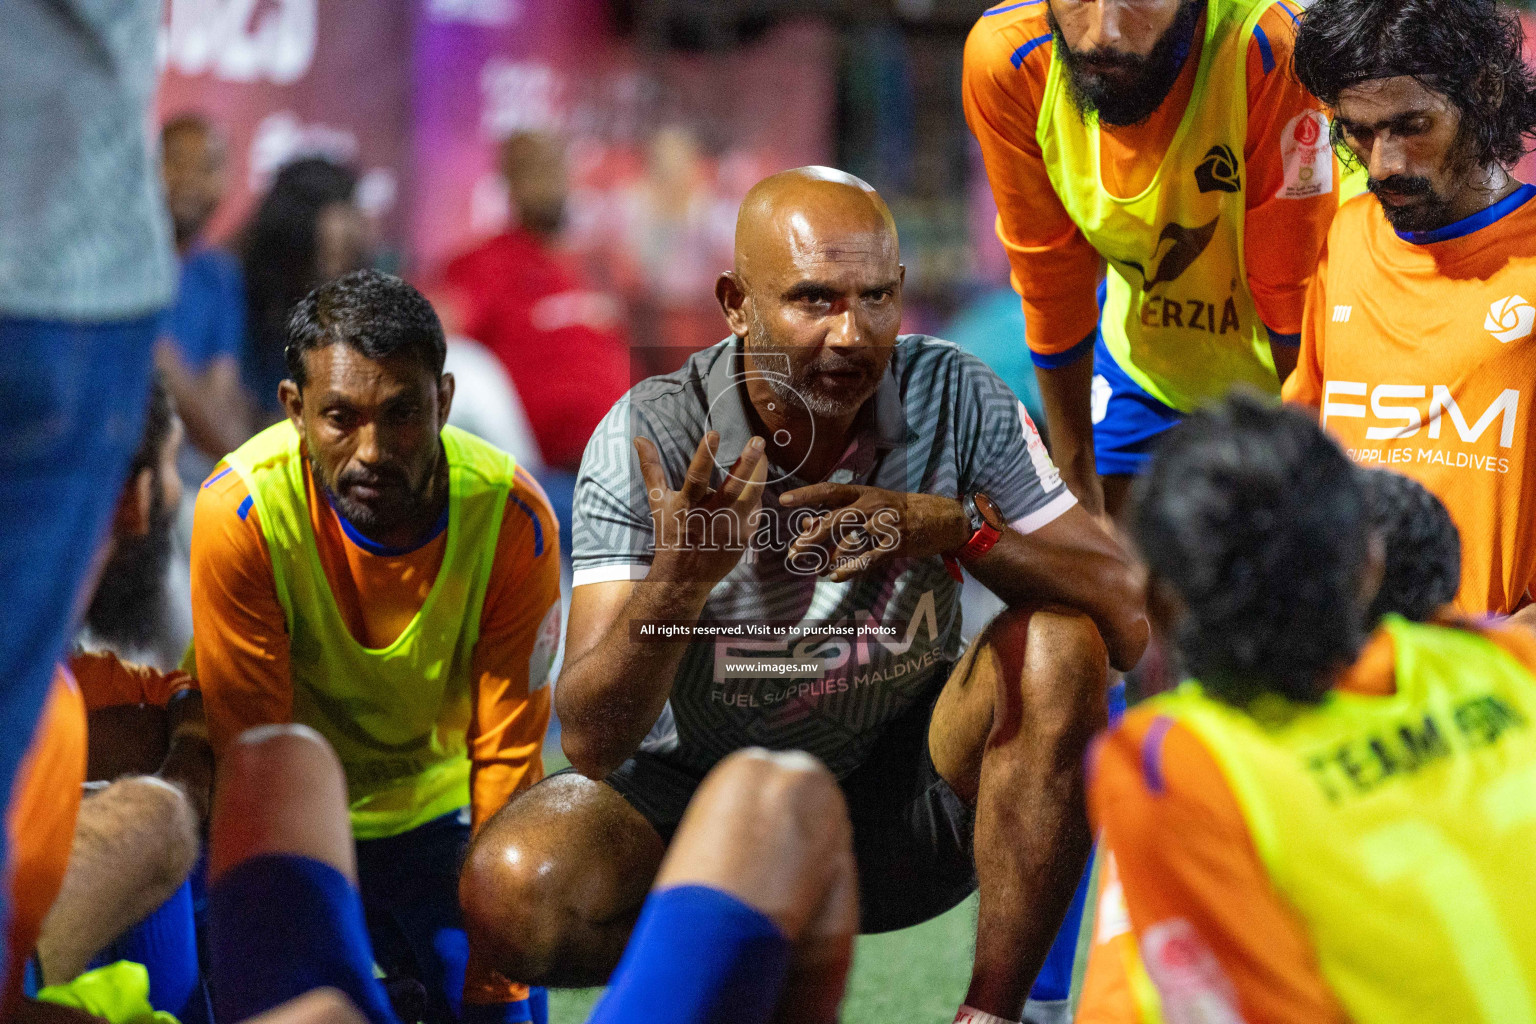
(1468, 51)
(279, 254)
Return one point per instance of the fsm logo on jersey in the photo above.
(1510, 319)
(1391, 406)
(240, 40)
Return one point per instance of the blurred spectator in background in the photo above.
(521, 295)
(680, 234)
(85, 268)
(989, 327)
(307, 230)
(202, 337)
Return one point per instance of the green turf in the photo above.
(914, 976)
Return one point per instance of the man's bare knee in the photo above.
(1064, 686)
(281, 790)
(551, 875)
(771, 829)
(166, 812)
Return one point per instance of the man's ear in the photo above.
(292, 401)
(733, 302)
(445, 388)
(132, 516)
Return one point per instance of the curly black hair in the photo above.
(1423, 547)
(1468, 51)
(1259, 524)
(376, 313)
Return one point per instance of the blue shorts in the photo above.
(75, 395)
(1127, 421)
(410, 891)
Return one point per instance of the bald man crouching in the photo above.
(767, 551)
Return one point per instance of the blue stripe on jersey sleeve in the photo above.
(1056, 360)
(538, 527)
(245, 506)
(1266, 54)
(1027, 49)
(1012, 7)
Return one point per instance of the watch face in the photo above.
(989, 511)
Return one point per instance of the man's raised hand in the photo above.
(700, 533)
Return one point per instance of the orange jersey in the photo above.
(1185, 857)
(106, 681)
(242, 639)
(1418, 354)
(1055, 269)
(40, 824)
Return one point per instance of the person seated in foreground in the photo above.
(751, 916)
(1323, 824)
(855, 468)
(1420, 576)
(108, 873)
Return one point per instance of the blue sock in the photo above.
(697, 956)
(281, 925)
(165, 942)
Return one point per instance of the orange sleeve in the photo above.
(1110, 980)
(519, 632)
(107, 681)
(1055, 270)
(1283, 236)
(1305, 384)
(1209, 924)
(40, 826)
(240, 636)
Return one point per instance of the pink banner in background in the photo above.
(290, 78)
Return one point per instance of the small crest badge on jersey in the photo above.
(1188, 976)
(1306, 151)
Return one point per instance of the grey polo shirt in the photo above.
(844, 658)
(84, 234)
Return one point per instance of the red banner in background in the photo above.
(414, 94)
(662, 146)
(290, 78)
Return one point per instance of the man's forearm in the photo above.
(608, 700)
(1066, 392)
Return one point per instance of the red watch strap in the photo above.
(982, 541)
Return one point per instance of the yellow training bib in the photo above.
(1178, 315)
(1402, 829)
(396, 715)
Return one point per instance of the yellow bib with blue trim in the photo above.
(1178, 315)
(396, 715)
(1402, 829)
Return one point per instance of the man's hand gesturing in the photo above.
(864, 525)
(701, 533)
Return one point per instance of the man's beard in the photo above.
(1433, 212)
(128, 610)
(1141, 83)
(375, 520)
(807, 384)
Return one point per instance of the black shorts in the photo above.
(912, 836)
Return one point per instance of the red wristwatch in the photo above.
(987, 527)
